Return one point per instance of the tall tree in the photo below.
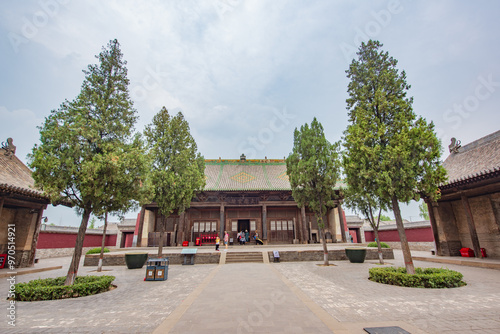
(124, 193)
(358, 200)
(79, 137)
(398, 154)
(177, 169)
(313, 169)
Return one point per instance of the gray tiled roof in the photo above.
(16, 178)
(479, 158)
(249, 175)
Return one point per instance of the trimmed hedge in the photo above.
(97, 250)
(423, 278)
(374, 244)
(54, 288)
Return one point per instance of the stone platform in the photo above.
(208, 255)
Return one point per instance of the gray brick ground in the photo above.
(343, 291)
(346, 294)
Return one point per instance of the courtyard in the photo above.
(286, 297)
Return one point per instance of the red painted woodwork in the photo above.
(354, 236)
(413, 235)
(68, 240)
(129, 237)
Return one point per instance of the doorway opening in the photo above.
(243, 225)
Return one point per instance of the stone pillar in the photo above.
(472, 226)
(141, 226)
(342, 223)
(222, 226)
(264, 222)
(449, 238)
(304, 225)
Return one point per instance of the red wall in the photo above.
(413, 235)
(68, 240)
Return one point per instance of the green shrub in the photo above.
(97, 250)
(54, 288)
(423, 278)
(374, 244)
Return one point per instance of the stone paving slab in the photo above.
(136, 306)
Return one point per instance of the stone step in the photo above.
(238, 257)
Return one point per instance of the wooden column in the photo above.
(34, 241)
(472, 226)
(180, 231)
(304, 225)
(342, 223)
(264, 222)
(435, 232)
(141, 226)
(222, 226)
(300, 234)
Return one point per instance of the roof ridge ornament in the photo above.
(243, 158)
(9, 147)
(455, 145)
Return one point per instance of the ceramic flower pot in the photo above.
(135, 260)
(356, 254)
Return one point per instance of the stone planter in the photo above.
(356, 254)
(135, 260)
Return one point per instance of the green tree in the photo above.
(92, 223)
(398, 154)
(177, 170)
(81, 136)
(313, 169)
(358, 200)
(424, 211)
(126, 192)
(385, 218)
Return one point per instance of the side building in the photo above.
(468, 213)
(242, 195)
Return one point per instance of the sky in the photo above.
(246, 73)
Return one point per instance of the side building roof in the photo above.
(15, 177)
(475, 161)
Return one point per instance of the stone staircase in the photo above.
(239, 257)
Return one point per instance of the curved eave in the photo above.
(23, 192)
(470, 179)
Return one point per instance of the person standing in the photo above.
(226, 239)
(217, 242)
(247, 236)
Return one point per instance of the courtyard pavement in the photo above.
(287, 297)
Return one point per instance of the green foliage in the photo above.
(391, 155)
(313, 169)
(97, 250)
(374, 244)
(92, 223)
(385, 218)
(390, 152)
(177, 169)
(424, 211)
(53, 288)
(88, 157)
(423, 278)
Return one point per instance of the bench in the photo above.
(189, 252)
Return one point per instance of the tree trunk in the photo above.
(410, 269)
(162, 236)
(103, 243)
(380, 255)
(77, 254)
(325, 249)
